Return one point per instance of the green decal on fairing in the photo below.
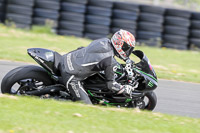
(150, 84)
(147, 74)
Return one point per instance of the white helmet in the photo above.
(124, 43)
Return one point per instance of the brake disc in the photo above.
(140, 104)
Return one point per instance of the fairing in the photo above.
(145, 69)
(44, 57)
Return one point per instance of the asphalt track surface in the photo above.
(176, 98)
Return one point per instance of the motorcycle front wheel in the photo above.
(150, 100)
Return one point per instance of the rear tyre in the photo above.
(25, 78)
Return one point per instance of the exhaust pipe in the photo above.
(47, 90)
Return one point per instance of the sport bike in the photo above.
(45, 81)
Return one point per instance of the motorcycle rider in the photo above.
(97, 56)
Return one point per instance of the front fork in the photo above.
(138, 100)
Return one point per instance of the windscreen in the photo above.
(144, 66)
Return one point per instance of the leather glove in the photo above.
(126, 91)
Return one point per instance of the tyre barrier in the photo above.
(45, 21)
(178, 13)
(152, 9)
(195, 43)
(28, 3)
(98, 11)
(101, 3)
(73, 7)
(176, 29)
(20, 13)
(46, 12)
(52, 5)
(70, 33)
(150, 25)
(179, 29)
(98, 19)
(1, 17)
(72, 17)
(124, 24)
(84, 2)
(2, 11)
(124, 16)
(97, 29)
(194, 38)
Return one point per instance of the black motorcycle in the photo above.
(46, 81)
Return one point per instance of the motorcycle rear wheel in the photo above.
(25, 78)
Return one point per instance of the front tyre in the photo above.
(151, 100)
(146, 102)
(25, 78)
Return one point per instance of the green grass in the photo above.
(30, 115)
(168, 63)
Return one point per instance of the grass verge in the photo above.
(31, 115)
(168, 63)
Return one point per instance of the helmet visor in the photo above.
(127, 49)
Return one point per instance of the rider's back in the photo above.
(82, 61)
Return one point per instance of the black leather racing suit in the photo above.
(82, 63)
